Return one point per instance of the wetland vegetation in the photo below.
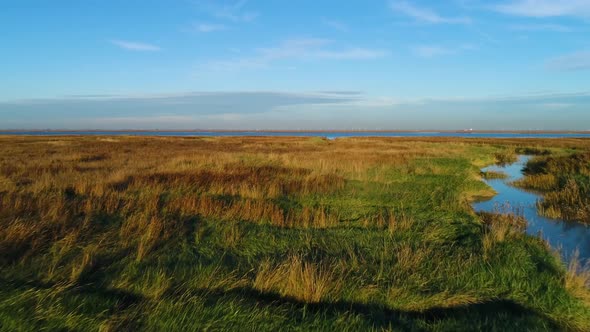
(564, 182)
(281, 233)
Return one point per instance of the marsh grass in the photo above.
(492, 175)
(136, 233)
(84, 264)
(302, 280)
(500, 226)
(564, 182)
(505, 157)
(539, 182)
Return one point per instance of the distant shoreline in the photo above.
(290, 131)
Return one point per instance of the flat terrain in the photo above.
(180, 234)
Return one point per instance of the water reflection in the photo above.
(568, 236)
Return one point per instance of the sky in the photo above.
(295, 65)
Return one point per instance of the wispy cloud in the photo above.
(424, 15)
(574, 61)
(238, 64)
(431, 51)
(545, 8)
(208, 27)
(540, 27)
(135, 46)
(280, 110)
(293, 48)
(156, 110)
(132, 122)
(555, 106)
(357, 53)
(232, 11)
(334, 24)
(297, 49)
(314, 48)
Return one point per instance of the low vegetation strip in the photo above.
(176, 234)
(491, 175)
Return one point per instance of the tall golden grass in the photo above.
(52, 188)
(305, 281)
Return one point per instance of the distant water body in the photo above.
(329, 135)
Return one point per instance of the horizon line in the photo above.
(540, 131)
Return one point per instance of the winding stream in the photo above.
(567, 236)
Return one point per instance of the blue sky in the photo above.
(380, 64)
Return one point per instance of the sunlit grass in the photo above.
(564, 182)
(133, 233)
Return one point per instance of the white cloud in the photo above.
(135, 46)
(312, 48)
(297, 49)
(424, 15)
(574, 61)
(545, 8)
(209, 27)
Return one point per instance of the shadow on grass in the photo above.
(499, 313)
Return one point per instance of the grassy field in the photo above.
(180, 234)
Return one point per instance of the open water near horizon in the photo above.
(326, 134)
